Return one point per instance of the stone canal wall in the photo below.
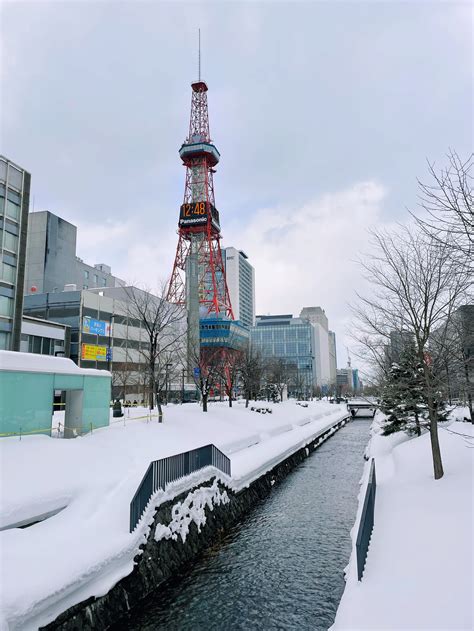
(182, 529)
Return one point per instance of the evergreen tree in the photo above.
(403, 397)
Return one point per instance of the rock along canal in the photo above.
(282, 567)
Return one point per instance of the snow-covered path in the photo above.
(420, 566)
(86, 548)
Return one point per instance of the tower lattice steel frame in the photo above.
(199, 227)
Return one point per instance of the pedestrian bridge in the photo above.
(362, 407)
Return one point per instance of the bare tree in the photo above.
(163, 328)
(251, 372)
(124, 375)
(417, 285)
(448, 202)
(207, 367)
(229, 369)
(279, 373)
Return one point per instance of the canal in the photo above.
(282, 567)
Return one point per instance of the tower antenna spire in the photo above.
(199, 54)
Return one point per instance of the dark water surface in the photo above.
(282, 567)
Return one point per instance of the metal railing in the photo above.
(366, 522)
(162, 472)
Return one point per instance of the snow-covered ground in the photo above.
(420, 564)
(86, 548)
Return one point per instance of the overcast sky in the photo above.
(324, 114)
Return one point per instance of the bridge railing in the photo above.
(162, 472)
(366, 522)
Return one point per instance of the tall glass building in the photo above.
(14, 205)
(290, 339)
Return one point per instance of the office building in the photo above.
(291, 339)
(103, 333)
(451, 348)
(14, 205)
(51, 261)
(318, 319)
(344, 381)
(332, 358)
(347, 380)
(240, 276)
(399, 341)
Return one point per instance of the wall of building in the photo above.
(288, 338)
(45, 338)
(14, 207)
(116, 341)
(318, 318)
(51, 261)
(322, 354)
(332, 357)
(240, 276)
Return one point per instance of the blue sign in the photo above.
(108, 355)
(196, 372)
(95, 327)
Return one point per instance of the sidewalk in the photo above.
(420, 564)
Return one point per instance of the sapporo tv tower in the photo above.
(198, 280)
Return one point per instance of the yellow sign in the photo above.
(92, 352)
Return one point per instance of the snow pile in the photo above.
(419, 569)
(192, 509)
(86, 548)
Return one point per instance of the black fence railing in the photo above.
(162, 472)
(366, 522)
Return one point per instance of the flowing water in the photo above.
(282, 567)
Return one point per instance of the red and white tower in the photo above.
(198, 278)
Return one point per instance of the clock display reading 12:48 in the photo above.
(193, 214)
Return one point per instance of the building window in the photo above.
(96, 279)
(6, 306)
(13, 210)
(13, 196)
(10, 242)
(15, 177)
(46, 349)
(8, 273)
(85, 286)
(104, 282)
(4, 341)
(86, 275)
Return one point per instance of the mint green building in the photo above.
(28, 384)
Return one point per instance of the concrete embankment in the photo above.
(182, 529)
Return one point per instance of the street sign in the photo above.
(196, 372)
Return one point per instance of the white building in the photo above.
(240, 276)
(319, 320)
(332, 358)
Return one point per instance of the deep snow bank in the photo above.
(86, 548)
(419, 570)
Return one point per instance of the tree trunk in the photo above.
(469, 393)
(230, 400)
(437, 463)
(160, 410)
(151, 395)
(417, 423)
(247, 397)
(204, 402)
(433, 416)
(151, 368)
